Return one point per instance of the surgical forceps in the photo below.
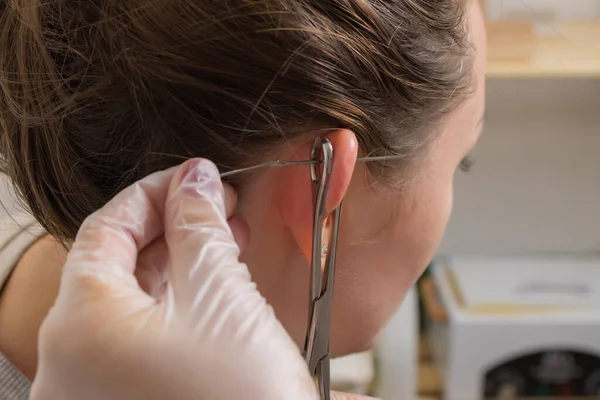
(322, 270)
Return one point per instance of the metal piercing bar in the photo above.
(302, 162)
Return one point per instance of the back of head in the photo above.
(96, 94)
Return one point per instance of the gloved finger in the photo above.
(348, 396)
(107, 244)
(200, 241)
(152, 260)
(151, 269)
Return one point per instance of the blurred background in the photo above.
(511, 307)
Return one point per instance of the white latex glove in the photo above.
(207, 334)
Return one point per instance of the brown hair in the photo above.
(96, 94)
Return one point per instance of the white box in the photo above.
(518, 327)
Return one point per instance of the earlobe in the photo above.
(295, 187)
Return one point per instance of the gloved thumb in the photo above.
(348, 396)
(204, 267)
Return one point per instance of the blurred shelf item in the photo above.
(553, 50)
(492, 326)
(433, 308)
(398, 352)
(352, 373)
(430, 381)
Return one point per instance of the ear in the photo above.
(294, 194)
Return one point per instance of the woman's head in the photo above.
(95, 95)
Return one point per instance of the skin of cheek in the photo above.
(385, 245)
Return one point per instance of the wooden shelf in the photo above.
(571, 50)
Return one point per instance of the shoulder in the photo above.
(30, 268)
(26, 299)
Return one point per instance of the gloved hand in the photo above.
(203, 333)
